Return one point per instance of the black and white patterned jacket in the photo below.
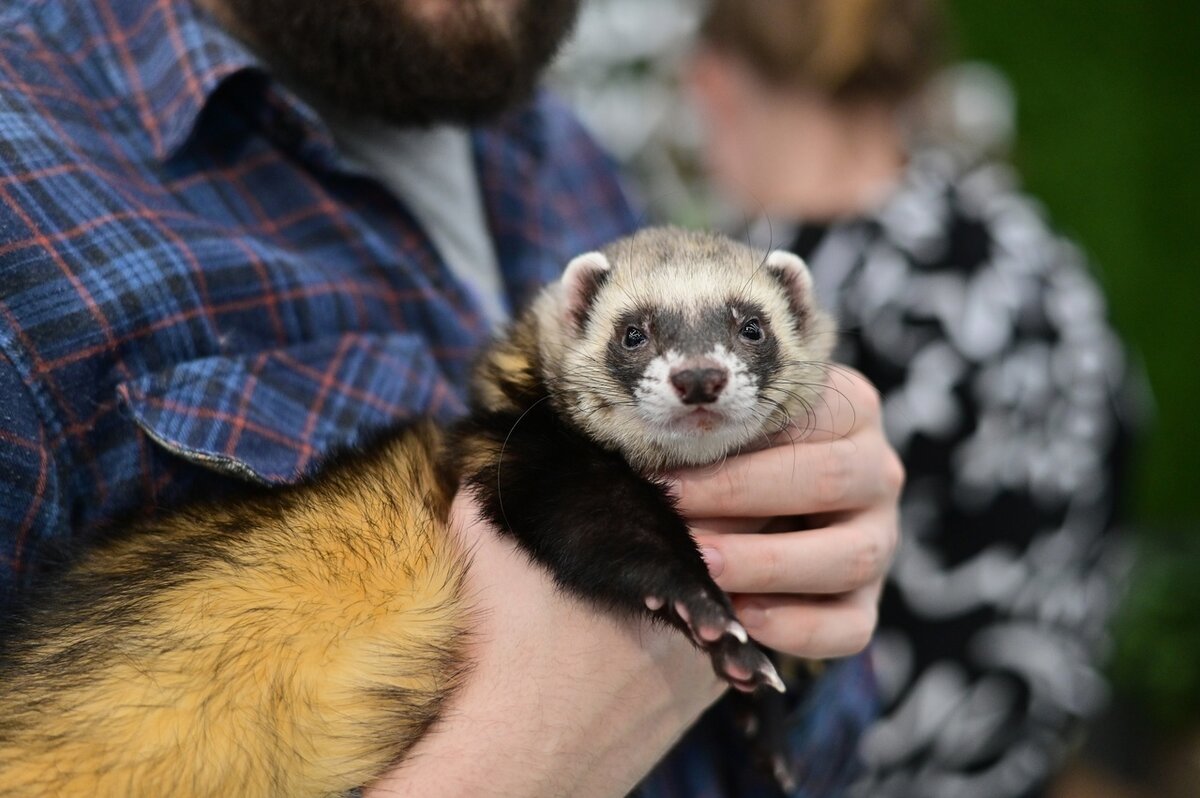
(1004, 393)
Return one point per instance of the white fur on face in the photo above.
(692, 277)
(698, 433)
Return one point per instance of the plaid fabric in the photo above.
(187, 262)
(195, 286)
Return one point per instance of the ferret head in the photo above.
(678, 348)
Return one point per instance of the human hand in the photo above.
(563, 699)
(811, 588)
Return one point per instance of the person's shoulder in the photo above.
(25, 53)
(40, 47)
(57, 86)
(953, 216)
(19, 18)
(962, 248)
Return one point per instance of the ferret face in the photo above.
(679, 348)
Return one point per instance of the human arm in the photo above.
(563, 699)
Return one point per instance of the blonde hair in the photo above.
(845, 49)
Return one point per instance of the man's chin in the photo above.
(409, 62)
(499, 13)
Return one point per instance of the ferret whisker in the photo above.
(500, 460)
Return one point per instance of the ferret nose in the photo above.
(699, 386)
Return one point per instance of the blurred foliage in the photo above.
(1107, 139)
(1158, 634)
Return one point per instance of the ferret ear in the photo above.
(581, 281)
(792, 273)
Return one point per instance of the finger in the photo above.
(813, 628)
(848, 404)
(843, 474)
(832, 559)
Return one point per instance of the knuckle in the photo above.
(862, 630)
(835, 474)
(892, 540)
(869, 557)
(728, 486)
(894, 473)
(803, 637)
(774, 568)
(864, 396)
(870, 402)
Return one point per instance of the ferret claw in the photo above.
(783, 774)
(771, 677)
(745, 666)
(738, 631)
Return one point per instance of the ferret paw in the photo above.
(745, 666)
(710, 621)
(707, 618)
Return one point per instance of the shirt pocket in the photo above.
(274, 416)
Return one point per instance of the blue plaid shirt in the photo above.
(196, 288)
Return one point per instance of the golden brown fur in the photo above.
(510, 371)
(293, 645)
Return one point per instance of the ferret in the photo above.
(665, 350)
(299, 641)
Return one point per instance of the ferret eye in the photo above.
(634, 337)
(751, 330)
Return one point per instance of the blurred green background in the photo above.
(1107, 97)
(1107, 101)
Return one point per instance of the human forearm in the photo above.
(562, 699)
(548, 734)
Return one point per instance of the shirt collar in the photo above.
(171, 57)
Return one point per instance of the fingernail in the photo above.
(752, 615)
(714, 559)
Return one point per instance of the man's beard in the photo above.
(467, 62)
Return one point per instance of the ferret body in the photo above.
(298, 642)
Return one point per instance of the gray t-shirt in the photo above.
(432, 170)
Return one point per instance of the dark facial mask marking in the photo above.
(762, 356)
(627, 365)
(691, 336)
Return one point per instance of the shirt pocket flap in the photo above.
(274, 416)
